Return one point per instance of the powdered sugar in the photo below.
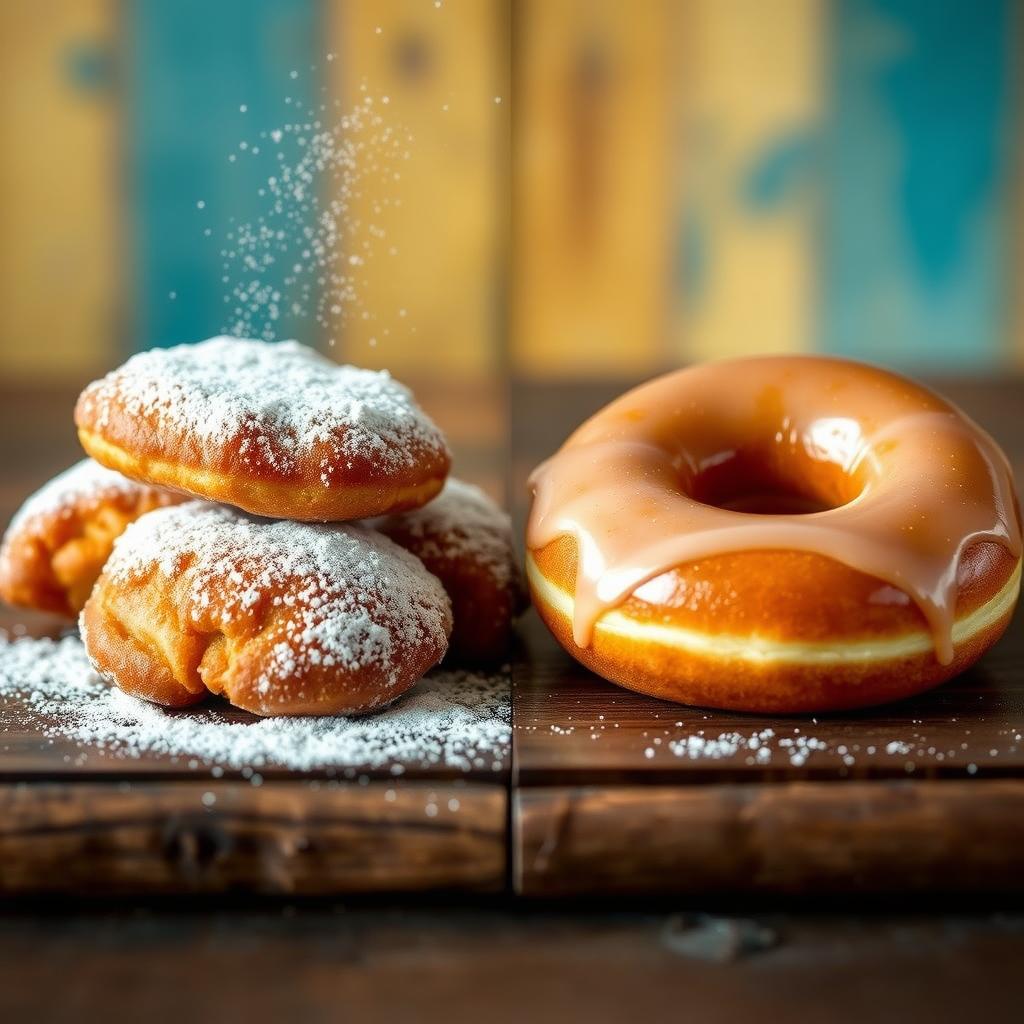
(85, 481)
(461, 523)
(306, 255)
(352, 599)
(788, 745)
(456, 719)
(271, 406)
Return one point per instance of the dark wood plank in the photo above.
(451, 962)
(284, 838)
(789, 838)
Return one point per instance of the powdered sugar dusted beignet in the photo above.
(275, 429)
(281, 618)
(465, 540)
(57, 542)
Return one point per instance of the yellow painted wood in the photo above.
(754, 76)
(595, 84)
(59, 275)
(429, 297)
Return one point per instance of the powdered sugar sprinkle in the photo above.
(85, 481)
(267, 405)
(460, 720)
(461, 523)
(342, 596)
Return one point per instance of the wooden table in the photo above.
(768, 954)
(453, 962)
(594, 797)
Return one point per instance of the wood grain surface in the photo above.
(284, 838)
(445, 961)
(784, 839)
(572, 727)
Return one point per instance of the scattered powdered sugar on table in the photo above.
(272, 405)
(82, 482)
(453, 718)
(344, 596)
(460, 523)
(786, 744)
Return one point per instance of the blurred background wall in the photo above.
(593, 187)
(705, 178)
(137, 145)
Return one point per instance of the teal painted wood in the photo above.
(917, 160)
(192, 64)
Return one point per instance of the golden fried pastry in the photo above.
(57, 542)
(281, 618)
(776, 534)
(465, 540)
(275, 429)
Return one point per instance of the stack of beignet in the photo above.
(259, 591)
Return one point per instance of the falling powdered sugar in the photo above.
(307, 254)
(457, 719)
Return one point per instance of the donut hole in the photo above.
(767, 483)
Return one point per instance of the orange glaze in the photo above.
(790, 453)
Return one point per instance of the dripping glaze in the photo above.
(875, 471)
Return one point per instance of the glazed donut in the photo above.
(465, 540)
(274, 429)
(57, 542)
(779, 534)
(281, 618)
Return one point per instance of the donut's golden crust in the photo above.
(337, 470)
(483, 607)
(259, 491)
(168, 638)
(775, 596)
(50, 561)
(482, 611)
(139, 637)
